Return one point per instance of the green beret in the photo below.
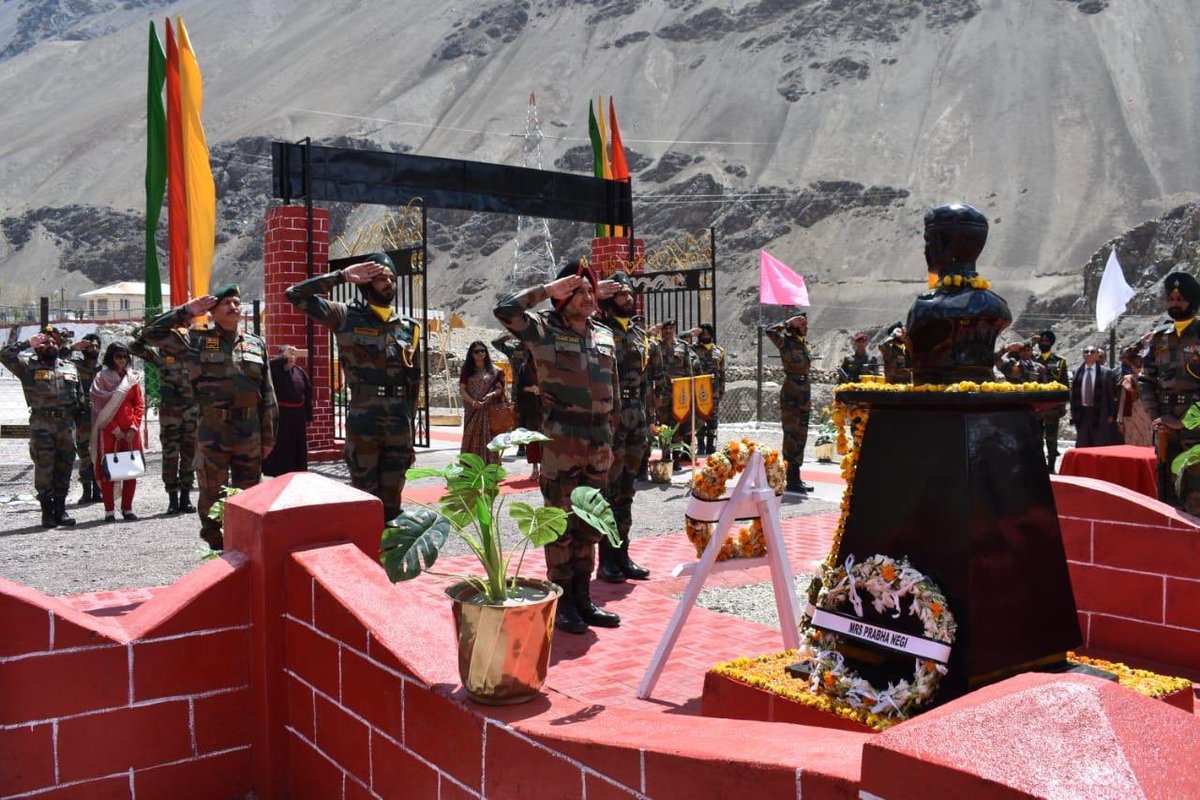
(228, 290)
(622, 278)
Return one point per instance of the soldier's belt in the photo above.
(378, 390)
(50, 412)
(228, 414)
(579, 418)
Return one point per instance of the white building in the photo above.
(124, 300)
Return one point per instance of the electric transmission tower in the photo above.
(533, 255)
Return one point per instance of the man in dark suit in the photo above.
(1094, 401)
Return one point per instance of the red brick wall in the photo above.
(152, 704)
(611, 253)
(1135, 570)
(285, 262)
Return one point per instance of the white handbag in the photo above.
(123, 465)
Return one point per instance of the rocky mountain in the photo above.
(819, 129)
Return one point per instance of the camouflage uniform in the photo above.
(855, 365)
(237, 412)
(514, 351)
(678, 361)
(53, 394)
(637, 360)
(1054, 370)
(581, 401)
(1169, 385)
(795, 397)
(895, 362)
(86, 367)
(710, 361)
(177, 419)
(382, 364)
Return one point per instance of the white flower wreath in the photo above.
(889, 582)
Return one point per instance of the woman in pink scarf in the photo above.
(117, 409)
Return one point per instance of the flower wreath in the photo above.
(743, 541)
(889, 582)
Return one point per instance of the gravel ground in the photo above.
(158, 549)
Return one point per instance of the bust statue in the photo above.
(951, 331)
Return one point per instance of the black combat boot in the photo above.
(793, 479)
(172, 501)
(86, 497)
(609, 570)
(566, 615)
(629, 567)
(96, 496)
(60, 511)
(213, 538)
(643, 473)
(581, 586)
(712, 447)
(185, 503)
(47, 503)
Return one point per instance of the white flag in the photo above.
(1114, 293)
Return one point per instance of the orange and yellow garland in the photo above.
(746, 540)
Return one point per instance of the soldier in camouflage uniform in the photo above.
(177, 419)
(1170, 384)
(678, 361)
(514, 351)
(858, 363)
(379, 352)
(231, 383)
(795, 398)
(894, 353)
(52, 392)
(86, 358)
(576, 365)
(636, 362)
(710, 361)
(1054, 370)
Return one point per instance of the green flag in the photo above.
(156, 169)
(597, 154)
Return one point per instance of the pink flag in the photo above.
(779, 284)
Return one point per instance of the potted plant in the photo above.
(503, 621)
(823, 445)
(662, 436)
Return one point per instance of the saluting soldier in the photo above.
(379, 352)
(51, 387)
(576, 365)
(178, 416)
(710, 359)
(858, 363)
(795, 396)
(636, 362)
(1170, 384)
(678, 361)
(1054, 370)
(894, 353)
(231, 383)
(86, 358)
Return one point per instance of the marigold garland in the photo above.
(746, 540)
(958, 281)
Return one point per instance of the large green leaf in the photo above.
(516, 436)
(415, 473)
(541, 525)
(1180, 464)
(590, 506)
(1191, 420)
(411, 542)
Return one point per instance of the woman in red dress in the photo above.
(117, 409)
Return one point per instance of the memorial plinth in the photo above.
(956, 481)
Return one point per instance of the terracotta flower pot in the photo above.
(504, 651)
(824, 452)
(660, 471)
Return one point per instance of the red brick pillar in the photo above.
(611, 253)
(286, 262)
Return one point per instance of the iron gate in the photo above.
(686, 291)
(411, 301)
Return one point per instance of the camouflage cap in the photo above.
(381, 257)
(1187, 287)
(228, 290)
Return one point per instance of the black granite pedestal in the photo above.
(957, 482)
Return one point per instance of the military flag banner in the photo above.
(201, 191)
(705, 404)
(1114, 293)
(681, 398)
(156, 168)
(779, 284)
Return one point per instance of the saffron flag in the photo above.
(703, 390)
(620, 168)
(177, 228)
(597, 152)
(1114, 293)
(156, 168)
(605, 163)
(201, 192)
(779, 284)
(681, 398)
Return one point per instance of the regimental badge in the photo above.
(42, 374)
(168, 359)
(212, 343)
